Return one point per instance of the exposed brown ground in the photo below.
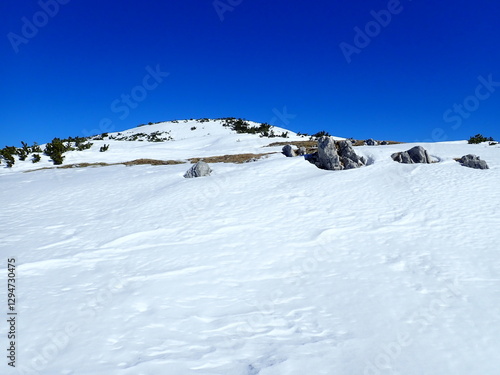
(238, 159)
(305, 144)
(311, 146)
(127, 163)
(151, 162)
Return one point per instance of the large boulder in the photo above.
(473, 161)
(335, 155)
(328, 157)
(417, 154)
(288, 151)
(200, 169)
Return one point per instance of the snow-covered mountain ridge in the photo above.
(270, 267)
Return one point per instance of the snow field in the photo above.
(273, 267)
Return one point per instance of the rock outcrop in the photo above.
(473, 161)
(417, 154)
(335, 155)
(371, 142)
(200, 169)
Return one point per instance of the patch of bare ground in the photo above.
(311, 146)
(127, 163)
(151, 162)
(238, 158)
(295, 143)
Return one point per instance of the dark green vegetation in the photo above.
(479, 138)
(54, 149)
(242, 126)
(57, 147)
(141, 137)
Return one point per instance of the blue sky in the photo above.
(397, 70)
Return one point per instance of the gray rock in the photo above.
(348, 157)
(384, 143)
(417, 154)
(328, 156)
(336, 155)
(200, 169)
(302, 151)
(371, 142)
(473, 161)
(288, 151)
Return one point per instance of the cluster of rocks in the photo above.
(335, 155)
(368, 142)
(473, 161)
(331, 155)
(417, 154)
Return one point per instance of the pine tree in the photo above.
(55, 150)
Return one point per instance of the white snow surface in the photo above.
(271, 267)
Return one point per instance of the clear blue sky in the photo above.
(414, 79)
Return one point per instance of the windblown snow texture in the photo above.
(271, 267)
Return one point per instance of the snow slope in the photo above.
(273, 267)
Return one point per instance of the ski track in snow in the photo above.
(273, 267)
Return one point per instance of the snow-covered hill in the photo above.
(186, 139)
(271, 267)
